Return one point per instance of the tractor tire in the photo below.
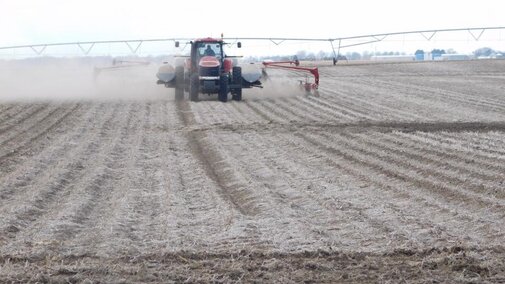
(223, 88)
(179, 83)
(194, 86)
(237, 80)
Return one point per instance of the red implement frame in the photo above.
(308, 86)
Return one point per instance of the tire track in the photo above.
(196, 210)
(197, 202)
(231, 187)
(285, 209)
(203, 218)
(177, 201)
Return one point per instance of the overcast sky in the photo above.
(36, 21)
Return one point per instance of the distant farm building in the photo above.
(455, 57)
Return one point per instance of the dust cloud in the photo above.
(82, 79)
(278, 84)
(50, 79)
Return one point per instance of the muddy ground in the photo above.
(395, 173)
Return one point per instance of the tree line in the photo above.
(366, 55)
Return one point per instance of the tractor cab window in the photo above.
(209, 49)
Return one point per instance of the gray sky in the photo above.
(36, 21)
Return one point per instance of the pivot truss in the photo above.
(336, 43)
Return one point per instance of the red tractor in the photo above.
(207, 70)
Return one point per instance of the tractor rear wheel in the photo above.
(223, 88)
(194, 85)
(179, 83)
(237, 81)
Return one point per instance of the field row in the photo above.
(375, 174)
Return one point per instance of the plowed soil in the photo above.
(396, 173)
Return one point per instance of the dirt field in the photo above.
(394, 174)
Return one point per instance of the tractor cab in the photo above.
(206, 50)
(209, 49)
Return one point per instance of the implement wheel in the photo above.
(194, 87)
(237, 81)
(223, 88)
(179, 83)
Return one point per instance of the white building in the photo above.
(455, 57)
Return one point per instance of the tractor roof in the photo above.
(208, 39)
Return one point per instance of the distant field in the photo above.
(396, 172)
